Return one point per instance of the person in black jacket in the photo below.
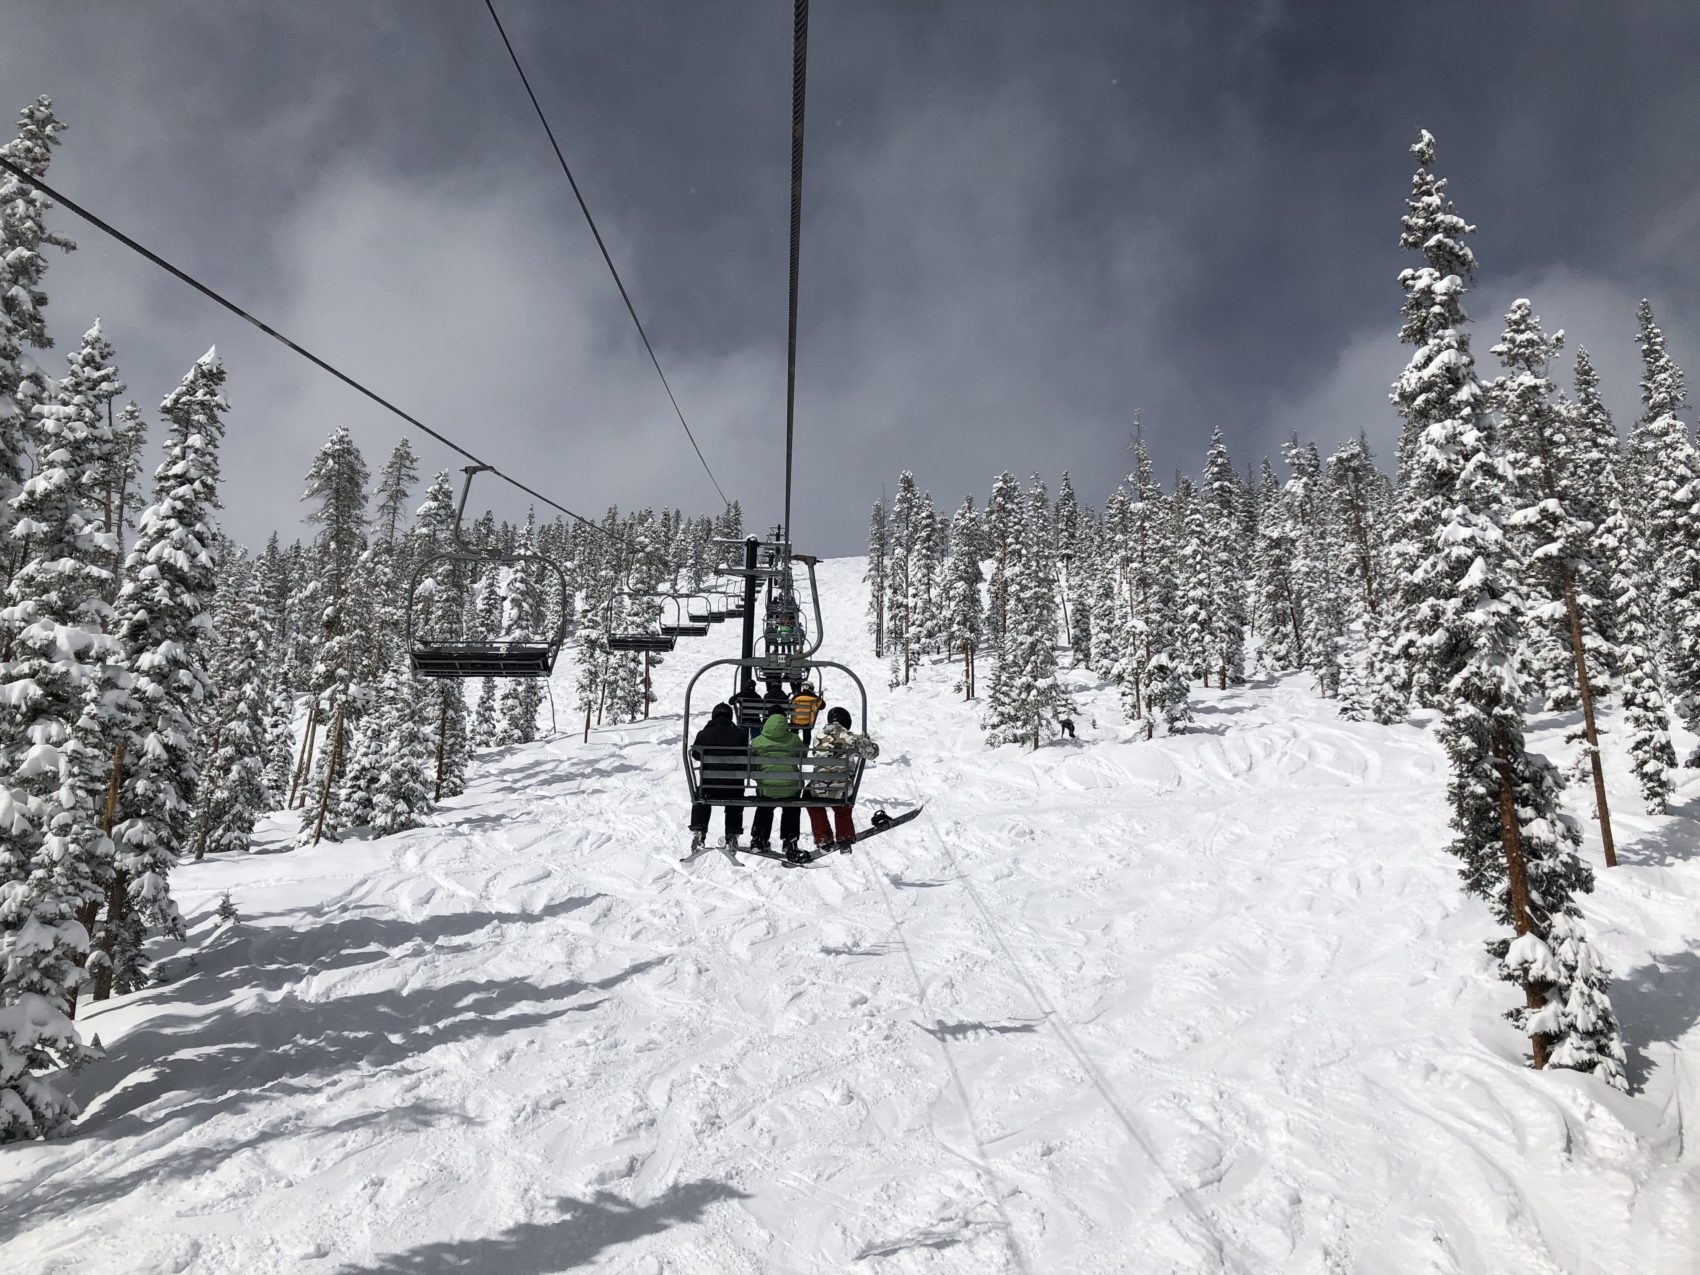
(724, 751)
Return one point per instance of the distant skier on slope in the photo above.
(837, 739)
(776, 751)
(722, 747)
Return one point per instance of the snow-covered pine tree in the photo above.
(1623, 613)
(1197, 624)
(402, 796)
(1164, 687)
(1025, 699)
(522, 697)
(1437, 390)
(439, 607)
(998, 528)
(903, 600)
(1278, 618)
(121, 482)
(487, 624)
(233, 793)
(56, 861)
(1072, 533)
(1667, 468)
(875, 576)
(1556, 520)
(964, 613)
(1221, 500)
(1357, 495)
(23, 323)
(163, 622)
(1148, 558)
(336, 487)
(1517, 845)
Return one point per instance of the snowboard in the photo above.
(883, 822)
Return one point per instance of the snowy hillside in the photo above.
(1206, 1003)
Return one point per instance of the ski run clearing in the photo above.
(1210, 1003)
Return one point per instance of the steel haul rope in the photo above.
(799, 79)
(603, 248)
(218, 298)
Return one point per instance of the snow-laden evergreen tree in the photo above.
(903, 595)
(233, 795)
(1516, 846)
(1358, 497)
(163, 621)
(1163, 699)
(998, 528)
(56, 860)
(403, 796)
(964, 612)
(1623, 611)
(439, 607)
(1026, 700)
(1440, 398)
(279, 746)
(1197, 625)
(336, 490)
(522, 697)
(121, 484)
(1222, 499)
(487, 612)
(1148, 560)
(1278, 615)
(23, 323)
(1558, 515)
(1667, 470)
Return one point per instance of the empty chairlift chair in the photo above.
(492, 656)
(629, 639)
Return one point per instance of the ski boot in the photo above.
(795, 853)
(881, 819)
(698, 841)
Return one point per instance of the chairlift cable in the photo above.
(597, 234)
(799, 79)
(212, 294)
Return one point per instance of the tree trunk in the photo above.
(1222, 676)
(646, 688)
(117, 908)
(1517, 878)
(442, 735)
(330, 774)
(1589, 732)
(303, 764)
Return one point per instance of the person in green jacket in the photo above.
(774, 753)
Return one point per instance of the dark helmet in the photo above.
(722, 713)
(807, 688)
(838, 717)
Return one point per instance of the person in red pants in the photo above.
(838, 739)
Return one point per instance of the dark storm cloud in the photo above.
(1024, 223)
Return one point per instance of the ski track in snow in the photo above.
(1212, 1003)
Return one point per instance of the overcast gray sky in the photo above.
(1024, 221)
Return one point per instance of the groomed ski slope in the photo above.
(1212, 1003)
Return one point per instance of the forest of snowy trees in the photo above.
(164, 688)
(1525, 559)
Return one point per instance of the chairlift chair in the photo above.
(825, 780)
(657, 639)
(484, 657)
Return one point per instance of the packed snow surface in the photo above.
(1211, 1003)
